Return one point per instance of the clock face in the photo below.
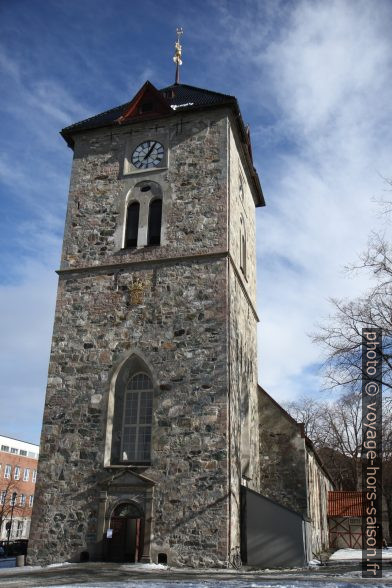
(148, 154)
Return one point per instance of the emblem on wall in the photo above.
(137, 291)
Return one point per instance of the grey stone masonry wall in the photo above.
(244, 429)
(194, 186)
(319, 485)
(291, 472)
(180, 331)
(282, 457)
(177, 324)
(243, 315)
(242, 213)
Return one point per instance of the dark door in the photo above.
(124, 546)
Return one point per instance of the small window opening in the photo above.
(154, 223)
(162, 558)
(241, 188)
(242, 248)
(84, 556)
(146, 107)
(145, 189)
(132, 224)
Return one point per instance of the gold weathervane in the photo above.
(178, 53)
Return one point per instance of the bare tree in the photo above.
(9, 505)
(341, 423)
(341, 338)
(341, 335)
(335, 429)
(308, 411)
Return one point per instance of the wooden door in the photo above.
(117, 543)
(125, 544)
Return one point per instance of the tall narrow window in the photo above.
(132, 224)
(154, 222)
(137, 419)
(242, 247)
(241, 190)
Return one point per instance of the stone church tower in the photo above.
(150, 424)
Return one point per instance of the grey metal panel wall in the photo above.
(273, 534)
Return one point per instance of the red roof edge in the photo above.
(149, 92)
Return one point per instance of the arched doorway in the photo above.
(127, 533)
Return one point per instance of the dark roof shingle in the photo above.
(178, 96)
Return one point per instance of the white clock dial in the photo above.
(148, 154)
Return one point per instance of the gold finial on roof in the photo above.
(178, 53)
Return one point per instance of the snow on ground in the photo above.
(141, 567)
(268, 578)
(213, 584)
(386, 573)
(356, 554)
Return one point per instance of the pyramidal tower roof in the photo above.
(151, 103)
(177, 96)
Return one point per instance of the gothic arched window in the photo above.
(154, 222)
(132, 226)
(137, 419)
(242, 247)
(130, 414)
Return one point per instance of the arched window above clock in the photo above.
(143, 215)
(155, 222)
(132, 226)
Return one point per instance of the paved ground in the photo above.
(118, 575)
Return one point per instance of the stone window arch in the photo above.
(132, 224)
(242, 246)
(130, 414)
(143, 213)
(155, 222)
(127, 509)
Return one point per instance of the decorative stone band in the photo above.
(145, 264)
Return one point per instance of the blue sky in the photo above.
(314, 82)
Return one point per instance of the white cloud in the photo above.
(316, 78)
(26, 321)
(330, 73)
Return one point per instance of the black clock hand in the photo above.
(149, 153)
